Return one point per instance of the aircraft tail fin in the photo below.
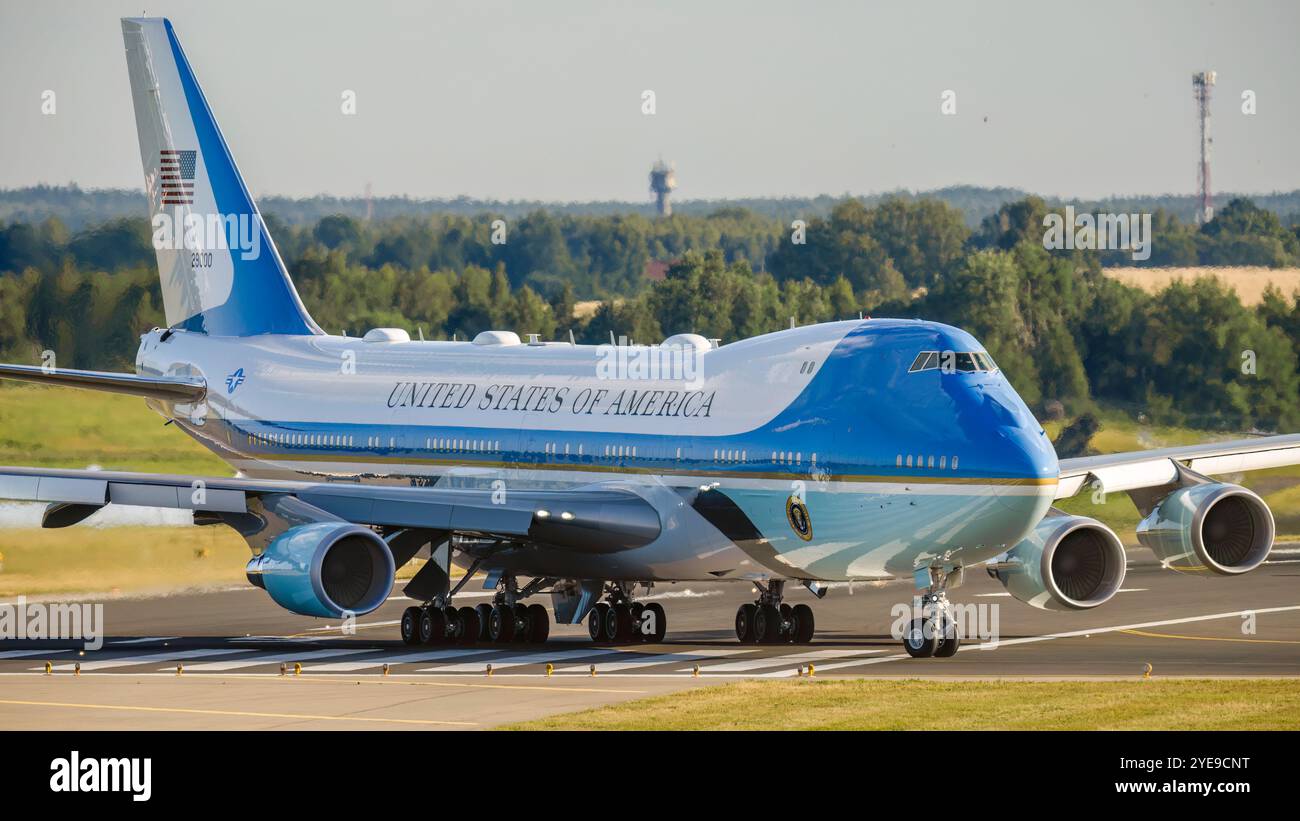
(221, 273)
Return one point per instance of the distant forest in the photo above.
(82, 282)
(76, 208)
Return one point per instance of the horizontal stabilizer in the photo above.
(169, 388)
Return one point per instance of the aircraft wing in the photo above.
(593, 520)
(1157, 468)
(171, 388)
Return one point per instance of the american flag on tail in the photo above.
(176, 169)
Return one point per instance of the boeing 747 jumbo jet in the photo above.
(859, 450)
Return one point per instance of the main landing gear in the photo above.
(771, 621)
(934, 633)
(507, 620)
(620, 620)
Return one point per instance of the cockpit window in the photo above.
(925, 361)
(948, 361)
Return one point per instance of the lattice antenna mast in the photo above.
(1203, 88)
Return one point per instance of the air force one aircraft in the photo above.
(859, 450)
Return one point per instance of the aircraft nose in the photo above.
(1015, 445)
(1027, 453)
(1022, 456)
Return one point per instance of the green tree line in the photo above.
(1059, 328)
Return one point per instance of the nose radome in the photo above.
(1028, 454)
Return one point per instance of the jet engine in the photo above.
(325, 569)
(1066, 563)
(1215, 527)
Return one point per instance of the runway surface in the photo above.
(231, 645)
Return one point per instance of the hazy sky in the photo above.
(542, 100)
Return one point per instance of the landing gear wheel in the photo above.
(655, 611)
(433, 630)
(745, 623)
(539, 624)
(638, 615)
(501, 624)
(618, 624)
(767, 624)
(523, 622)
(596, 621)
(787, 622)
(921, 639)
(949, 641)
(804, 624)
(484, 618)
(411, 625)
(453, 627)
(470, 627)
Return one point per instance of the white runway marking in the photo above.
(631, 660)
(120, 642)
(535, 657)
(404, 658)
(1091, 631)
(774, 661)
(151, 658)
(17, 654)
(269, 657)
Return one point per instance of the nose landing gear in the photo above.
(935, 632)
(771, 621)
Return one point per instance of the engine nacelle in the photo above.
(1215, 527)
(325, 569)
(1066, 563)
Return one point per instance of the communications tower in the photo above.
(1203, 87)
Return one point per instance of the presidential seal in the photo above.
(796, 512)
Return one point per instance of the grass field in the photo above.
(865, 704)
(1248, 281)
(64, 427)
(119, 559)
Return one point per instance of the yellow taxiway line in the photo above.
(237, 713)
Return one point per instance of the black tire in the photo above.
(501, 624)
(618, 624)
(745, 623)
(539, 624)
(453, 627)
(949, 641)
(638, 614)
(522, 620)
(484, 616)
(596, 621)
(920, 640)
(656, 610)
(411, 626)
(433, 630)
(470, 626)
(767, 624)
(804, 623)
